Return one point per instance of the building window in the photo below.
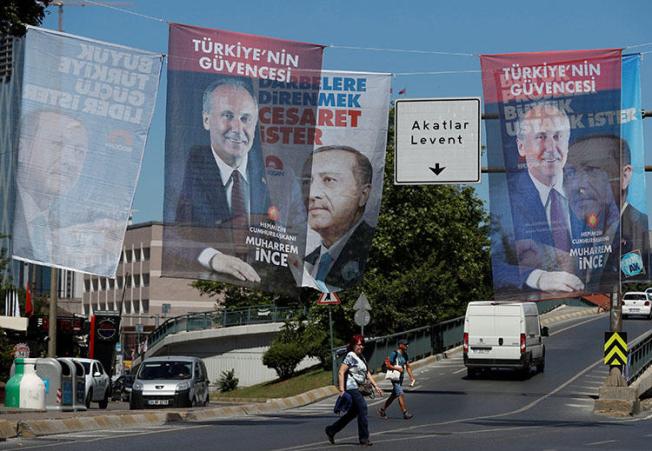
(87, 285)
(145, 280)
(137, 255)
(136, 280)
(146, 254)
(145, 303)
(128, 307)
(6, 57)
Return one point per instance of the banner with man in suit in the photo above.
(555, 219)
(85, 111)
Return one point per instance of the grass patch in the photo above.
(303, 381)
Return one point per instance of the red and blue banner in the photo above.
(554, 140)
(241, 123)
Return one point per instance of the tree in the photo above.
(15, 14)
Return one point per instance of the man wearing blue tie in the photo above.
(340, 185)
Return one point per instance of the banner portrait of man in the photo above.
(554, 216)
(233, 204)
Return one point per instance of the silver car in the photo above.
(171, 381)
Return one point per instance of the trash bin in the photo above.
(49, 370)
(67, 385)
(25, 390)
(78, 383)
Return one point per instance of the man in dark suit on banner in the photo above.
(542, 244)
(224, 188)
(339, 190)
(609, 153)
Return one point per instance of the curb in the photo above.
(8, 429)
(589, 311)
(35, 428)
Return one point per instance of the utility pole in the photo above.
(54, 272)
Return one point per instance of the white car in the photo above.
(98, 383)
(637, 303)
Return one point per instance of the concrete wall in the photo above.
(240, 348)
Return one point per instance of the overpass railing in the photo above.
(424, 341)
(639, 358)
(220, 318)
(430, 340)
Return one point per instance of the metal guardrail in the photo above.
(429, 340)
(216, 319)
(639, 358)
(424, 341)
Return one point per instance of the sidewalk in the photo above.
(36, 423)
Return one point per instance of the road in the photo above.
(549, 411)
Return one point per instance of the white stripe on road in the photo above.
(600, 443)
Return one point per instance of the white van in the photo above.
(503, 335)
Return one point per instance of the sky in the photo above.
(459, 27)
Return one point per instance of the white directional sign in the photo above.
(362, 303)
(437, 141)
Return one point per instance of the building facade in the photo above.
(139, 291)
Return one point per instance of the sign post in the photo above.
(437, 141)
(330, 299)
(362, 316)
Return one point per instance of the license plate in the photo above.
(634, 309)
(481, 350)
(158, 402)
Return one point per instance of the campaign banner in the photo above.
(555, 218)
(344, 178)
(85, 112)
(634, 233)
(241, 121)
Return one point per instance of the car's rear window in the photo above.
(635, 297)
(165, 370)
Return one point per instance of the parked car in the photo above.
(98, 384)
(637, 303)
(171, 381)
(121, 387)
(503, 335)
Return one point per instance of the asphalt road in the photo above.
(549, 411)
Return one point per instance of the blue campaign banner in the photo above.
(85, 112)
(635, 239)
(554, 201)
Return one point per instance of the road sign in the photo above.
(615, 348)
(362, 303)
(328, 299)
(362, 317)
(437, 141)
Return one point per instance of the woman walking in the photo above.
(352, 374)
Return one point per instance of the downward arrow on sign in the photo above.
(437, 169)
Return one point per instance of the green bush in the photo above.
(228, 381)
(284, 358)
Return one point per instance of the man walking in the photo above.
(398, 361)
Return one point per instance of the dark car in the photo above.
(122, 387)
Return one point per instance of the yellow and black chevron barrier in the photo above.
(615, 348)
